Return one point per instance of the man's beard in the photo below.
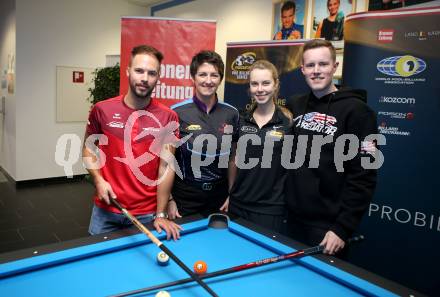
(141, 95)
(144, 95)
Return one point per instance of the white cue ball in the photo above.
(162, 258)
(162, 294)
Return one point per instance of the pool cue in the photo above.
(157, 242)
(298, 254)
(259, 263)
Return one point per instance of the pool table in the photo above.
(124, 261)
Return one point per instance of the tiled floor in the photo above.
(43, 213)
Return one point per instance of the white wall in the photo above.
(50, 33)
(7, 122)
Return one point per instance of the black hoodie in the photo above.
(321, 196)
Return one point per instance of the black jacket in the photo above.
(260, 189)
(317, 194)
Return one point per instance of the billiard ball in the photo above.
(162, 258)
(200, 267)
(162, 294)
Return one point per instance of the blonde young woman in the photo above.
(257, 193)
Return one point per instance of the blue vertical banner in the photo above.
(395, 56)
(240, 56)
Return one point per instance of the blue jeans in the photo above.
(103, 221)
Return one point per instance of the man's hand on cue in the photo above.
(332, 242)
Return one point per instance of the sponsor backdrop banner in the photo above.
(178, 40)
(285, 55)
(395, 56)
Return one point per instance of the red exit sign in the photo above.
(78, 76)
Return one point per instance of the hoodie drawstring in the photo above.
(304, 112)
(327, 111)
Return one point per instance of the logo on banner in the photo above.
(434, 34)
(397, 100)
(403, 66)
(385, 35)
(397, 115)
(389, 130)
(390, 214)
(422, 35)
(166, 87)
(242, 63)
(399, 70)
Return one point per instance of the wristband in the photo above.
(161, 215)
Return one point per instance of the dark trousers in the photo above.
(306, 234)
(198, 199)
(310, 235)
(275, 223)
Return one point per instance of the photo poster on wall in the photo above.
(328, 18)
(392, 55)
(285, 55)
(178, 40)
(293, 17)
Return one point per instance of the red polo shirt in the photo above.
(133, 184)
